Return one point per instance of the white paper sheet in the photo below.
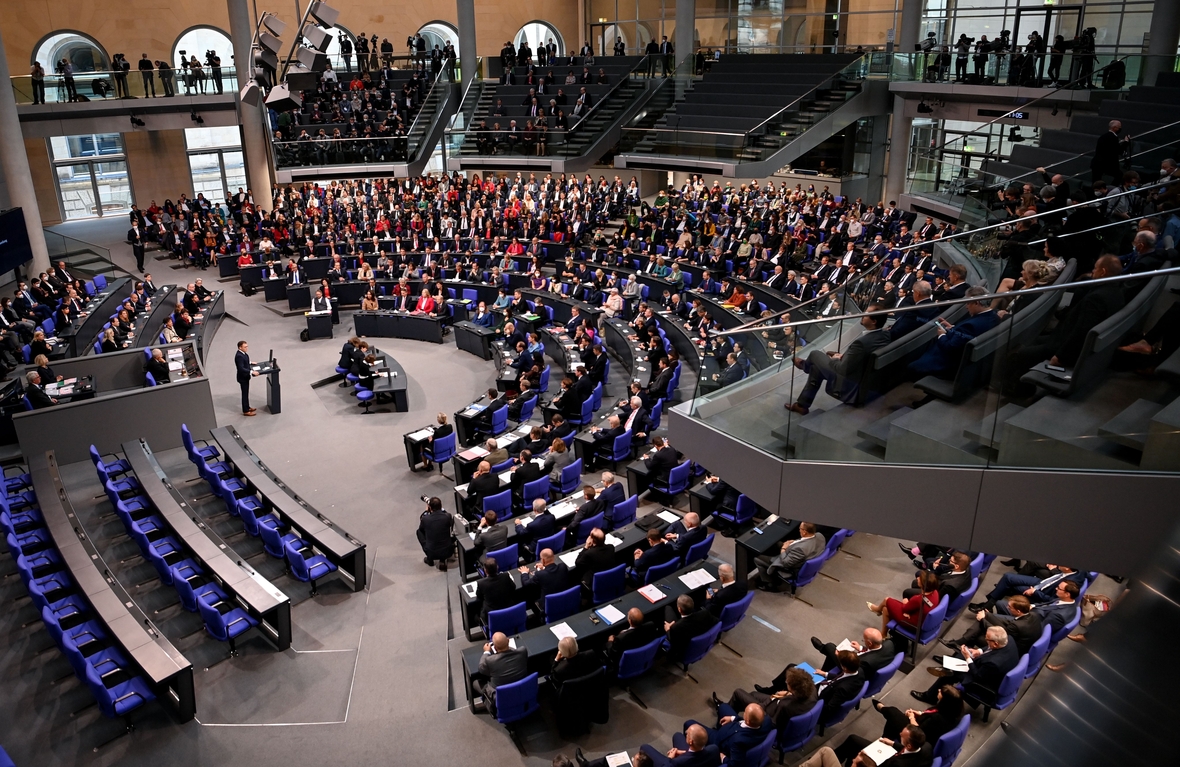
(562, 630)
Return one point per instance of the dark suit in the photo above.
(135, 237)
(631, 638)
(843, 374)
(871, 661)
(988, 670)
(657, 555)
(38, 397)
(839, 692)
(552, 580)
(1107, 151)
(610, 496)
(524, 474)
(593, 560)
(1055, 614)
(709, 756)
(242, 362)
(910, 321)
(734, 592)
(434, 534)
(943, 356)
(158, 369)
(492, 538)
(497, 592)
(661, 463)
(479, 488)
(684, 629)
(587, 510)
(580, 665)
(685, 537)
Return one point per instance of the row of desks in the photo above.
(417, 327)
(591, 630)
(625, 540)
(79, 337)
(264, 601)
(168, 672)
(341, 548)
(163, 304)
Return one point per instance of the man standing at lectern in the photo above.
(242, 361)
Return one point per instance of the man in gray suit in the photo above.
(794, 553)
(842, 371)
(500, 665)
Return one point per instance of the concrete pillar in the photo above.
(686, 20)
(899, 149)
(255, 138)
(17, 177)
(467, 54)
(1163, 40)
(911, 26)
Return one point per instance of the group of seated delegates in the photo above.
(54, 295)
(199, 230)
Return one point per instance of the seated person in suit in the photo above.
(612, 493)
(542, 525)
(590, 508)
(496, 454)
(47, 375)
(604, 440)
(1058, 613)
(875, 651)
(727, 593)
(1024, 627)
(842, 371)
(569, 663)
(483, 483)
(661, 460)
(697, 752)
(548, 576)
(689, 623)
(941, 360)
(658, 552)
(639, 759)
(496, 590)
(35, 391)
(489, 535)
(516, 404)
(637, 634)
(1038, 589)
(912, 751)
(559, 457)
(907, 611)
(559, 428)
(499, 665)
(596, 556)
(734, 735)
(797, 696)
(924, 311)
(934, 721)
(685, 533)
(525, 471)
(988, 667)
(951, 583)
(157, 366)
(439, 431)
(791, 557)
(496, 400)
(536, 442)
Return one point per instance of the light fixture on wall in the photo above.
(196, 117)
(136, 122)
(325, 14)
(924, 108)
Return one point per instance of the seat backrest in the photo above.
(507, 557)
(563, 604)
(608, 584)
(1006, 694)
(499, 419)
(622, 446)
(503, 466)
(596, 395)
(212, 618)
(544, 383)
(624, 511)
(836, 715)
(538, 488)
(588, 524)
(639, 660)
(526, 408)
(656, 572)
(187, 438)
(657, 414)
(151, 379)
(759, 755)
(977, 564)
(1038, 651)
(699, 646)
(932, 623)
(443, 448)
(809, 570)
(510, 620)
(500, 502)
(878, 680)
(555, 542)
(295, 559)
(745, 509)
(570, 475)
(678, 477)
(800, 729)
(1103, 339)
(587, 411)
(700, 550)
(732, 613)
(100, 281)
(1065, 630)
(516, 700)
(951, 743)
(97, 350)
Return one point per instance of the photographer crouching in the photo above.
(436, 533)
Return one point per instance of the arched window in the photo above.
(539, 33)
(197, 41)
(83, 52)
(440, 33)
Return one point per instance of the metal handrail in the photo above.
(956, 301)
(584, 118)
(964, 233)
(809, 93)
(1135, 220)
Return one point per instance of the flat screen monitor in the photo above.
(14, 240)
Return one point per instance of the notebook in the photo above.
(652, 593)
(610, 614)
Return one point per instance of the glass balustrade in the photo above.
(110, 86)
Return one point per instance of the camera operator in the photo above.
(185, 77)
(436, 533)
(146, 72)
(362, 53)
(346, 52)
(66, 70)
(1085, 47)
(962, 51)
(213, 61)
(119, 65)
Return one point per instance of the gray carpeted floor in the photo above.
(370, 676)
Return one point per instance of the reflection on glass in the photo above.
(77, 191)
(114, 188)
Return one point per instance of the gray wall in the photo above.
(112, 371)
(1075, 518)
(153, 414)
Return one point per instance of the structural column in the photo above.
(254, 129)
(15, 162)
(466, 16)
(911, 26)
(686, 21)
(900, 130)
(1164, 38)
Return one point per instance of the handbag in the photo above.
(1094, 606)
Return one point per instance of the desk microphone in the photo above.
(481, 398)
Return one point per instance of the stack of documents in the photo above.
(697, 578)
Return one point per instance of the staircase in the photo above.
(752, 117)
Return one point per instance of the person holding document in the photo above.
(911, 750)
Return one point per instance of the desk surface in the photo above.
(157, 658)
(215, 556)
(396, 380)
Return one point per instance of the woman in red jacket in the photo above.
(426, 303)
(906, 611)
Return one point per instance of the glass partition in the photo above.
(100, 85)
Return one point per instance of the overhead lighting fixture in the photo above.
(250, 94)
(325, 14)
(316, 37)
(266, 60)
(311, 59)
(270, 42)
(281, 99)
(924, 108)
(276, 25)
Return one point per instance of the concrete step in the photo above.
(1161, 450)
(933, 435)
(789, 432)
(877, 432)
(1129, 428)
(990, 429)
